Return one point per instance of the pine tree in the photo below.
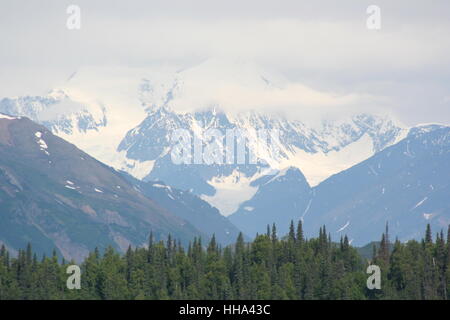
(387, 236)
(150, 253)
(374, 252)
(440, 254)
(300, 236)
(274, 233)
(291, 235)
(428, 235)
(447, 270)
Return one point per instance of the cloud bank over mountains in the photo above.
(323, 46)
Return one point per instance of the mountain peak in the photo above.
(422, 129)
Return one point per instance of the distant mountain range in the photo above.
(130, 127)
(352, 173)
(407, 185)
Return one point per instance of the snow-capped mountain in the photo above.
(127, 120)
(406, 184)
(58, 112)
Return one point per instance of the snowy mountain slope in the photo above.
(311, 150)
(93, 109)
(318, 149)
(406, 184)
(58, 112)
(126, 118)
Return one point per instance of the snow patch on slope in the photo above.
(318, 166)
(420, 203)
(42, 144)
(231, 191)
(344, 227)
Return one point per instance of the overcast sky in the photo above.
(324, 45)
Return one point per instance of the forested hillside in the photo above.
(267, 268)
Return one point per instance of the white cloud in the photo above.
(323, 45)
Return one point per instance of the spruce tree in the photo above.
(291, 235)
(428, 235)
(274, 233)
(300, 236)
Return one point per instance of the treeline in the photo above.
(266, 268)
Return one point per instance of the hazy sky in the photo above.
(324, 45)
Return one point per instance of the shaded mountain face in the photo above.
(56, 196)
(127, 121)
(406, 185)
(279, 199)
(191, 208)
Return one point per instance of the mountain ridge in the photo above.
(57, 196)
(405, 184)
(127, 119)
